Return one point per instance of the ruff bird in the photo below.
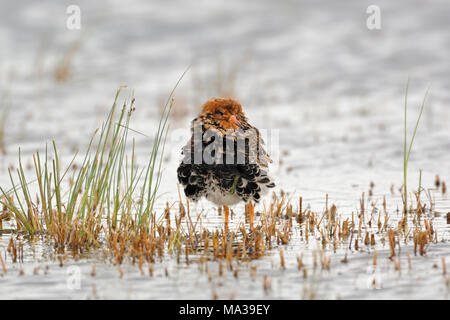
(224, 160)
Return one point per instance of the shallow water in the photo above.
(312, 72)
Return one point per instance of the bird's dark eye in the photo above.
(219, 112)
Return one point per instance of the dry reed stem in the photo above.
(282, 263)
(391, 238)
(444, 267)
(3, 264)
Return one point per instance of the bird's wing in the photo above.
(236, 147)
(239, 166)
(254, 149)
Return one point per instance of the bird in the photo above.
(224, 160)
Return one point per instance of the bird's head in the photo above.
(226, 112)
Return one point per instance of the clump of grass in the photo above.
(407, 150)
(104, 186)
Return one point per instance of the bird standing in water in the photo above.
(224, 160)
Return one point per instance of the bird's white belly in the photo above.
(222, 198)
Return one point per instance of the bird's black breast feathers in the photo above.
(231, 174)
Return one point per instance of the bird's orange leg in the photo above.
(252, 213)
(227, 213)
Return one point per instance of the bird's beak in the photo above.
(235, 121)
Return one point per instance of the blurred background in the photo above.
(314, 70)
(327, 78)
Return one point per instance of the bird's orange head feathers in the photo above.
(227, 112)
